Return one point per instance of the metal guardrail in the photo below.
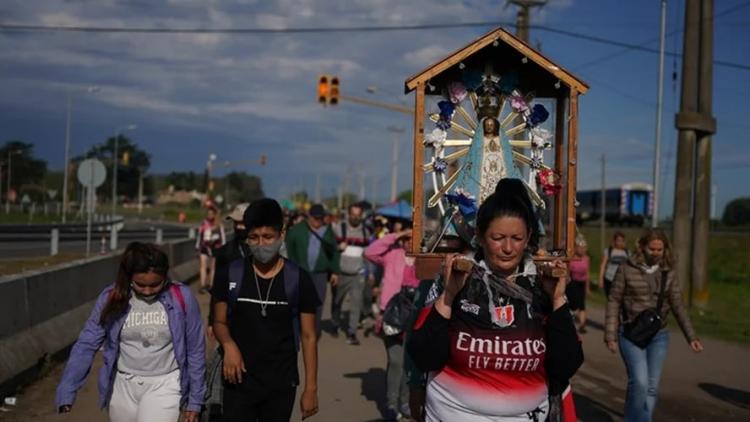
(46, 228)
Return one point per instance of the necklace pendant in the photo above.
(263, 313)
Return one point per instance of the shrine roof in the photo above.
(506, 55)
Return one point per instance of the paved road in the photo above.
(712, 386)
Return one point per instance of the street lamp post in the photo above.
(115, 158)
(394, 161)
(90, 89)
(209, 166)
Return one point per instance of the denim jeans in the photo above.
(644, 370)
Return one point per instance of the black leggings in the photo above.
(241, 405)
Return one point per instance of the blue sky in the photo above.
(242, 95)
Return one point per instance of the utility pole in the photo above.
(67, 158)
(659, 105)
(522, 18)
(394, 161)
(317, 188)
(695, 125)
(603, 204)
(702, 196)
(362, 177)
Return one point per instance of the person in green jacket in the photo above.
(311, 244)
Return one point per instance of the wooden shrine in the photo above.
(495, 108)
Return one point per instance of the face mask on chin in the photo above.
(265, 253)
(146, 298)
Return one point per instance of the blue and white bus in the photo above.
(630, 204)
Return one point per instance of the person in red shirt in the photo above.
(498, 342)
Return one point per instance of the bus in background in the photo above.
(630, 204)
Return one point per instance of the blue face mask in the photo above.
(265, 253)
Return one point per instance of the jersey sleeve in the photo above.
(308, 296)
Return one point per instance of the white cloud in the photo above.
(425, 56)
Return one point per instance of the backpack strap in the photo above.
(177, 293)
(343, 230)
(291, 287)
(236, 275)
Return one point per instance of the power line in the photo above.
(644, 43)
(310, 30)
(303, 30)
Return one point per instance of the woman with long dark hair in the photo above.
(153, 345)
(499, 341)
(637, 287)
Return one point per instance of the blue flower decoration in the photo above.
(538, 115)
(472, 79)
(446, 109)
(440, 165)
(509, 82)
(466, 206)
(443, 124)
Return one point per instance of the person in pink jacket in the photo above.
(398, 271)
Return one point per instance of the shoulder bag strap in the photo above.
(660, 301)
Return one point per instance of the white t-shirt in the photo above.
(146, 341)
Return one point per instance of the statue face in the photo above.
(490, 126)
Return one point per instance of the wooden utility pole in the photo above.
(522, 18)
(695, 125)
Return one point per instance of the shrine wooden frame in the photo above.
(565, 140)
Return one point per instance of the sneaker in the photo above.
(391, 414)
(351, 339)
(405, 414)
(335, 332)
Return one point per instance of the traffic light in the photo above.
(126, 158)
(263, 159)
(333, 98)
(323, 89)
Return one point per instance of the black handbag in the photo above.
(399, 308)
(646, 324)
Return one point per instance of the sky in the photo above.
(242, 95)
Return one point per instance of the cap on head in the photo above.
(238, 212)
(317, 211)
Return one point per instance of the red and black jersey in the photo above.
(491, 368)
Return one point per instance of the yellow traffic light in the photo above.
(333, 98)
(323, 89)
(126, 158)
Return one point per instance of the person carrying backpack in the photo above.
(264, 309)
(352, 237)
(613, 256)
(151, 332)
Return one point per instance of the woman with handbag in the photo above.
(636, 320)
(399, 272)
